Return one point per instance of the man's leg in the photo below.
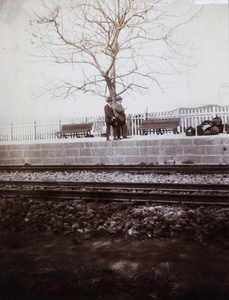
(124, 130)
(114, 130)
(108, 131)
(118, 129)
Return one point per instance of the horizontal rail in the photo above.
(203, 169)
(199, 194)
(121, 196)
(121, 185)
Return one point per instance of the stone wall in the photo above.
(150, 149)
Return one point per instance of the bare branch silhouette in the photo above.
(118, 45)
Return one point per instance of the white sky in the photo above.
(208, 83)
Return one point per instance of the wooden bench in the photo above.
(75, 130)
(159, 126)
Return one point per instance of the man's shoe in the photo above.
(115, 139)
(108, 140)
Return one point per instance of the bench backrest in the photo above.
(161, 122)
(77, 127)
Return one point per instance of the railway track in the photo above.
(103, 191)
(189, 168)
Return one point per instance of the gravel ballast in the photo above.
(201, 224)
(83, 219)
(117, 177)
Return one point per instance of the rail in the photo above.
(185, 168)
(119, 185)
(146, 192)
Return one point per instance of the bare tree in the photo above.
(116, 45)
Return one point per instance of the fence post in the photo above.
(11, 131)
(146, 113)
(59, 125)
(34, 130)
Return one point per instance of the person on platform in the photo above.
(120, 118)
(110, 119)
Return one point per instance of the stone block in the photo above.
(6, 161)
(118, 160)
(211, 159)
(33, 153)
(15, 147)
(105, 160)
(33, 146)
(34, 161)
(72, 152)
(126, 143)
(225, 159)
(187, 141)
(173, 150)
(96, 144)
(135, 151)
(225, 140)
(203, 140)
(148, 151)
(128, 160)
(4, 154)
(85, 152)
(187, 159)
(225, 149)
(17, 161)
(150, 159)
(212, 150)
(170, 142)
(50, 146)
(86, 160)
(76, 145)
(54, 161)
(194, 150)
(15, 154)
(101, 152)
(147, 143)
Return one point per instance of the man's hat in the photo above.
(119, 98)
(109, 99)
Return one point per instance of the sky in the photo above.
(20, 79)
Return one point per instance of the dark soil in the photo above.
(43, 266)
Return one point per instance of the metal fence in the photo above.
(46, 129)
